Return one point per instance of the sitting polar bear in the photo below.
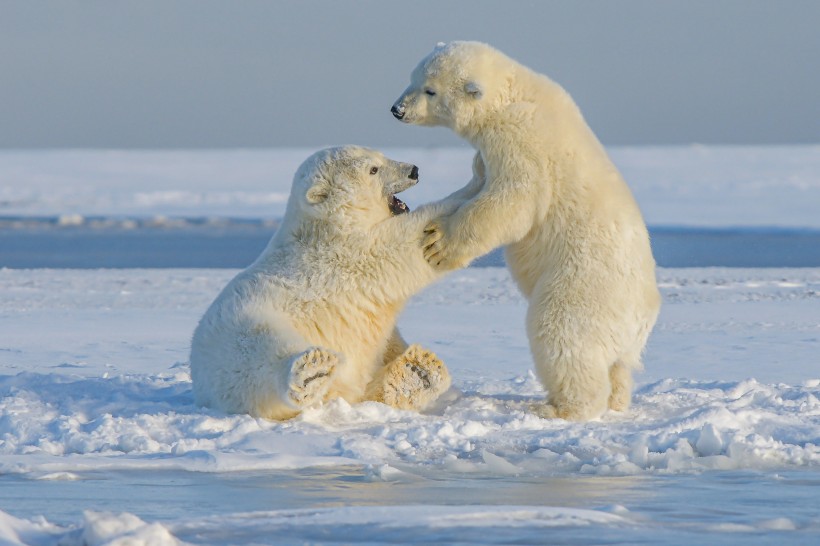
(578, 247)
(314, 316)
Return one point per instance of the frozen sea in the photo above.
(109, 258)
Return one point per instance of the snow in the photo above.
(101, 443)
(94, 380)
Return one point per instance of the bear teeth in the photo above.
(397, 206)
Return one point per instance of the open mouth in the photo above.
(397, 206)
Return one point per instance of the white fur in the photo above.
(544, 186)
(314, 316)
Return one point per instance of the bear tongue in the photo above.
(397, 206)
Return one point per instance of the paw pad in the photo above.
(310, 376)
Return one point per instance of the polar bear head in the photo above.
(455, 86)
(351, 185)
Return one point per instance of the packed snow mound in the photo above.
(95, 529)
(54, 426)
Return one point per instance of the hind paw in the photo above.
(310, 376)
(415, 379)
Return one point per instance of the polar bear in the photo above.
(543, 185)
(314, 316)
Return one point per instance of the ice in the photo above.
(407, 524)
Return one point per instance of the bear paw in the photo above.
(620, 400)
(567, 412)
(415, 379)
(439, 250)
(310, 376)
(544, 411)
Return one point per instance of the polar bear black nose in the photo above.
(414, 173)
(398, 111)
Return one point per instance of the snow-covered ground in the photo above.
(100, 442)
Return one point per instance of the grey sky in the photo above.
(201, 73)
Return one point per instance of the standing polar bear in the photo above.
(314, 316)
(543, 185)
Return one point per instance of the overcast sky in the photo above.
(201, 73)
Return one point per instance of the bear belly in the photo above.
(533, 257)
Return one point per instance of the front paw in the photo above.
(438, 251)
(432, 243)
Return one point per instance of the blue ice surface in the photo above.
(659, 509)
(235, 244)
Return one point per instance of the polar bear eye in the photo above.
(430, 92)
(374, 170)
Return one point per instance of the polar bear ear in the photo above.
(318, 191)
(473, 89)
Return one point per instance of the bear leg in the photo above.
(311, 373)
(620, 379)
(577, 382)
(567, 400)
(395, 346)
(571, 363)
